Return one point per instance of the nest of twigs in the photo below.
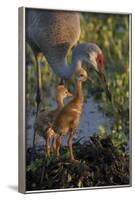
(100, 165)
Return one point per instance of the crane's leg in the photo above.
(70, 146)
(39, 57)
(47, 155)
(61, 81)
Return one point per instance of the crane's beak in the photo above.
(89, 79)
(103, 78)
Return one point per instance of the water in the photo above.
(91, 119)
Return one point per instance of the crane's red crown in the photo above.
(100, 61)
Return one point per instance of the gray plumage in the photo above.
(54, 33)
(49, 29)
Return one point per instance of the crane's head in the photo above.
(94, 56)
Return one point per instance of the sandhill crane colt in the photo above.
(68, 118)
(45, 119)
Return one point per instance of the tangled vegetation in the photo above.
(105, 157)
(100, 165)
(111, 33)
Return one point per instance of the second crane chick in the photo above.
(68, 119)
(45, 119)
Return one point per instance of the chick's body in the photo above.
(46, 118)
(68, 119)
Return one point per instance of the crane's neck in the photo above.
(62, 69)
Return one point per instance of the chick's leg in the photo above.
(70, 146)
(53, 145)
(48, 147)
(49, 134)
(58, 144)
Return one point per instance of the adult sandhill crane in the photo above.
(54, 33)
(46, 118)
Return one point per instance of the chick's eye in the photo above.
(81, 75)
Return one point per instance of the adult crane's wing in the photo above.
(53, 31)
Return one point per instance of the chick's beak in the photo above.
(103, 78)
(69, 94)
